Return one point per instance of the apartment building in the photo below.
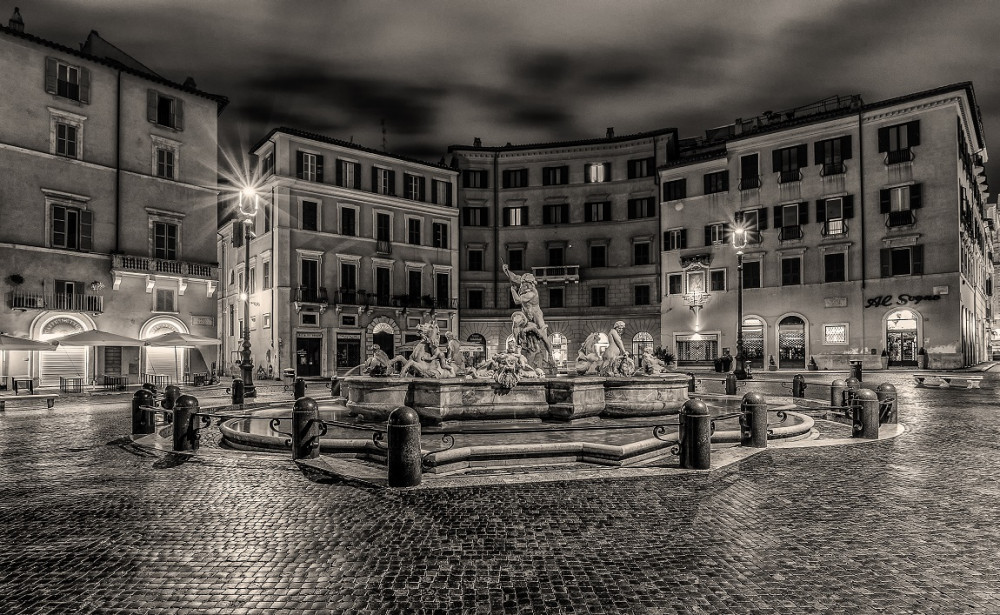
(351, 246)
(108, 206)
(868, 235)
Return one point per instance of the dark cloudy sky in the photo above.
(441, 72)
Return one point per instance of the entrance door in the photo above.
(308, 359)
(348, 354)
(901, 338)
(792, 342)
(753, 342)
(386, 342)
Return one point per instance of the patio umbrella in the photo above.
(95, 338)
(176, 339)
(9, 342)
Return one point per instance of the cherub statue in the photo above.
(378, 364)
(454, 352)
(588, 358)
(649, 365)
(616, 360)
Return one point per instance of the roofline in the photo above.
(220, 100)
(295, 132)
(557, 144)
(962, 85)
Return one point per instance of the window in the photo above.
(597, 212)
(515, 178)
(475, 178)
(716, 234)
(675, 284)
(833, 213)
(475, 216)
(642, 294)
(72, 228)
(898, 203)
(348, 174)
(348, 277)
(164, 163)
(902, 261)
(164, 300)
(641, 253)
(266, 321)
(515, 216)
(442, 285)
(717, 280)
(674, 190)
(555, 176)
(309, 166)
(641, 208)
(835, 267)
(66, 134)
(749, 172)
(414, 283)
(556, 214)
(598, 296)
(309, 277)
(165, 240)
(476, 259)
(413, 231)
(232, 320)
(831, 153)
(164, 110)
(754, 221)
(383, 285)
(476, 296)
(789, 218)
(267, 164)
(791, 271)
(265, 275)
(252, 287)
(441, 192)
(383, 181)
(310, 216)
(515, 259)
(267, 209)
(599, 255)
(439, 231)
(556, 298)
(787, 162)
(348, 221)
(675, 239)
(835, 334)
(414, 187)
(751, 274)
(897, 141)
(641, 167)
(383, 227)
(716, 182)
(597, 172)
(557, 256)
(67, 80)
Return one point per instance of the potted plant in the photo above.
(884, 359)
(922, 358)
(665, 356)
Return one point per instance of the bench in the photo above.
(965, 381)
(50, 399)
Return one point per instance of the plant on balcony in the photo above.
(15, 279)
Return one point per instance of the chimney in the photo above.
(16, 23)
(189, 83)
(611, 132)
(477, 142)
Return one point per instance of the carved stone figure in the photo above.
(507, 368)
(378, 364)
(454, 354)
(588, 358)
(428, 360)
(649, 365)
(616, 360)
(523, 289)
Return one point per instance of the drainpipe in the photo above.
(861, 210)
(496, 229)
(118, 166)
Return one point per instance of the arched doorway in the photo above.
(164, 360)
(753, 341)
(901, 339)
(385, 336)
(479, 355)
(641, 341)
(792, 342)
(64, 361)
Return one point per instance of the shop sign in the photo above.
(902, 299)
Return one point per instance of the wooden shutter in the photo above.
(86, 231)
(818, 156)
(804, 212)
(392, 183)
(51, 75)
(884, 201)
(447, 194)
(776, 161)
(777, 217)
(708, 234)
(762, 219)
(915, 196)
(607, 171)
(849, 206)
(917, 255)
(58, 226)
(151, 98)
(565, 174)
(84, 85)
(707, 188)
(524, 215)
(802, 156)
(821, 210)
(845, 148)
(374, 179)
(913, 133)
(586, 173)
(547, 214)
(319, 169)
(178, 114)
(506, 179)
(727, 232)
(725, 180)
(684, 238)
(422, 182)
(339, 171)
(885, 258)
(357, 175)
(298, 165)
(883, 139)
(606, 206)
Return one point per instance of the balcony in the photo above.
(556, 275)
(383, 247)
(750, 182)
(833, 168)
(899, 218)
(310, 299)
(352, 296)
(787, 177)
(92, 304)
(898, 156)
(122, 264)
(834, 227)
(788, 233)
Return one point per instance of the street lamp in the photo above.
(739, 242)
(249, 202)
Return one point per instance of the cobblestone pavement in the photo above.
(91, 524)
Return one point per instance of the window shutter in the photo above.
(777, 217)
(506, 179)
(178, 114)
(237, 234)
(151, 97)
(915, 196)
(392, 183)
(339, 172)
(883, 139)
(708, 234)
(885, 258)
(684, 238)
(707, 183)
(917, 254)
(821, 210)
(803, 156)
(818, 152)
(447, 194)
(374, 178)
(357, 174)
(606, 206)
(762, 219)
(845, 148)
(586, 173)
(58, 226)
(84, 85)
(298, 165)
(86, 230)
(727, 232)
(913, 132)
(849, 206)
(564, 212)
(588, 210)
(319, 169)
(666, 240)
(565, 174)
(632, 209)
(547, 214)
(663, 196)
(524, 215)
(423, 188)
(51, 75)
(884, 201)
(607, 171)
(804, 212)
(776, 160)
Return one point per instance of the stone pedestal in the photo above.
(372, 399)
(457, 399)
(647, 396)
(574, 398)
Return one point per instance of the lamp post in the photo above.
(739, 242)
(249, 201)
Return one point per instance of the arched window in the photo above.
(640, 342)
(477, 356)
(559, 347)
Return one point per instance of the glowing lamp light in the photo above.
(244, 296)
(249, 202)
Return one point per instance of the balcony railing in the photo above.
(749, 183)
(787, 177)
(352, 297)
(566, 273)
(833, 168)
(383, 246)
(898, 156)
(834, 227)
(148, 264)
(305, 294)
(70, 302)
(899, 218)
(787, 233)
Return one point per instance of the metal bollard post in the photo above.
(237, 391)
(753, 423)
(695, 436)
(692, 385)
(853, 386)
(837, 388)
(185, 432)
(143, 420)
(887, 400)
(799, 386)
(866, 414)
(299, 390)
(306, 429)
(403, 455)
(170, 394)
(730, 384)
(334, 386)
(856, 370)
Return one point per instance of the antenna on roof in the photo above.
(384, 149)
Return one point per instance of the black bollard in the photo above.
(334, 386)
(837, 388)
(856, 370)
(299, 390)
(753, 423)
(143, 419)
(799, 386)
(888, 412)
(149, 386)
(403, 453)
(305, 428)
(866, 414)
(185, 432)
(237, 391)
(692, 385)
(695, 436)
(730, 384)
(170, 394)
(853, 386)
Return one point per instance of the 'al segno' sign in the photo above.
(903, 299)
